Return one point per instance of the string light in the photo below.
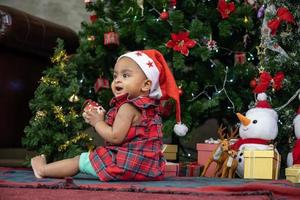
(251, 57)
(289, 101)
(203, 92)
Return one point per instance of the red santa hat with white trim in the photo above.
(296, 122)
(262, 105)
(156, 69)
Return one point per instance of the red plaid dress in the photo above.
(139, 157)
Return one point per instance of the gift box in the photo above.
(204, 152)
(261, 164)
(172, 169)
(293, 173)
(170, 151)
(190, 169)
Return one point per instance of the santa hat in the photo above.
(163, 86)
(262, 105)
(297, 118)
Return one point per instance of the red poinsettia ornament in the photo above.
(181, 42)
(225, 8)
(282, 14)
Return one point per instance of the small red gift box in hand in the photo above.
(91, 105)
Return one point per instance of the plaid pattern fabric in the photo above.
(139, 157)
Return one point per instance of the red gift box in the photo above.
(190, 169)
(90, 104)
(172, 169)
(193, 169)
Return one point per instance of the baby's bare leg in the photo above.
(58, 169)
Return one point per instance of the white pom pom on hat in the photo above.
(262, 105)
(156, 69)
(262, 101)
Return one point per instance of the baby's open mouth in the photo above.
(119, 88)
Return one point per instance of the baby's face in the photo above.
(128, 78)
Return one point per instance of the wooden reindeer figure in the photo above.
(219, 155)
(230, 165)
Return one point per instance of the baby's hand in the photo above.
(89, 104)
(90, 108)
(94, 115)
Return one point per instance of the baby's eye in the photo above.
(125, 75)
(114, 76)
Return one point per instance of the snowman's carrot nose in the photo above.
(244, 120)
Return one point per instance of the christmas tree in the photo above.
(217, 50)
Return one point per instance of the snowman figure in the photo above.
(258, 128)
(294, 156)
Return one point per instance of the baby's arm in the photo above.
(116, 133)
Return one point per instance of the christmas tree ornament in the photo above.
(253, 83)
(49, 81)
(181, 42)
(164, 15)
(266, 80)
(172, 4)
(91, 38)
(80, 137)
(283, 14)
(58, 111)
(93, 17)
(212, 45)
(180, 91)
(140, 3)
(74, 98)
(111, 39)
(246, 20)
(239, 58)
(59, 57)
(101, 83)
(261, 11)
(40, 115)
(261, 50)
(225, 9)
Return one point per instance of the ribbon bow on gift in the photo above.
(282, 14)
(265, 80)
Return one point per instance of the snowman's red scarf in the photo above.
(296, 152)
(241, 141)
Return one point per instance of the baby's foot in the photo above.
(38, 163)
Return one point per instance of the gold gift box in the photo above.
(170, 151)
(261, 164)
(293, 173)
